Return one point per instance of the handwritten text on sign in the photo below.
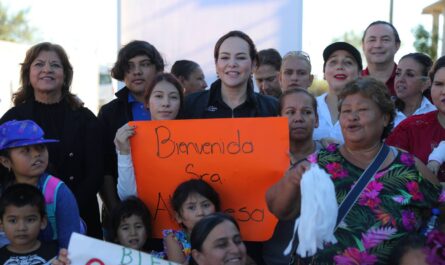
(83, 250)
(241, 158)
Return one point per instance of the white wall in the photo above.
(85, 81)
(189, 29)
(11, 54)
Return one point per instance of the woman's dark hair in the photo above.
(167, 77)
(407, 243)
(7, 177)
(199, 186)
(184, 68)
(133, 49)
(296, 91)
(128, 207)
(25, 92)
(425, 62)
(236, 33)
(204, 226)
(422, 59)
(380, 22)
(440, 63)
(374, 90)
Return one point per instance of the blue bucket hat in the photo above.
(21, 133)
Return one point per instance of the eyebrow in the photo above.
(141, 61)
(220, 240)
(52, 61)
(239, 53)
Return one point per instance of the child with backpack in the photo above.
(24, 154)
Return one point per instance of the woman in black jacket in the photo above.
(232, 95)
(45, 97)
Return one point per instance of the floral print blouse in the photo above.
(182, 239)
(395, 202)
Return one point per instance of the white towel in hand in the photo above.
(318, 214)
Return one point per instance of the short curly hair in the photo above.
(377, 92)
(133, 49)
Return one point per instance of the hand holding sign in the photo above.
(84, 250)
(241, 158)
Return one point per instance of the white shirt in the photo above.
(326, 129)
(425, 106)
(438, 153)
(126, 182)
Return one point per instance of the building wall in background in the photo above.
(12, 55)
(189, 29)
(85, 81)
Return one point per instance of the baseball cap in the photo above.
(346, 47)
(21, 133)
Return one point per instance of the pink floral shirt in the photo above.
(392, 205)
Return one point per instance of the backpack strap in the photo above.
(50, 188)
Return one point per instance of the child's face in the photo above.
(193, 209)
(22, 226)
(27, 161)
(131, 232)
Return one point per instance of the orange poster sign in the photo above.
(241, 158)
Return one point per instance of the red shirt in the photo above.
(389, 83)
(419, 135)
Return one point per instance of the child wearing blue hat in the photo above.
(24, 154)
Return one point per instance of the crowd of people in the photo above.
(56, 155)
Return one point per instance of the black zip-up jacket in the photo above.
(112, 116)
(209, 104)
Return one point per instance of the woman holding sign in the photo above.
(391, 202)
(232, 95)
(164, 98)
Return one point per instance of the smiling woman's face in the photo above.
(341, 68)
(46, 74)
(234, 64)
(223, 245)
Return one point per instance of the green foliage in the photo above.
(424, 41)
(351, 37)
(318, 87)
(14, 27)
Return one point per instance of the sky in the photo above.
(91, 25)
(324, 20)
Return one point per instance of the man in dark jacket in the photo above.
(137, 64)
